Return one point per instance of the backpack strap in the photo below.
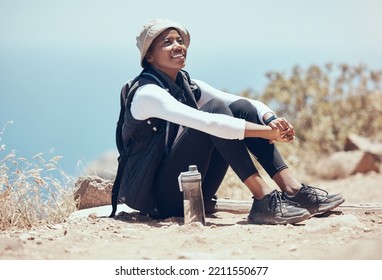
(118, 133)
(152, 76)
(126, 89)
(122, 159)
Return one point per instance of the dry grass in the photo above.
(30, 191)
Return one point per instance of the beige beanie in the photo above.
(155, 27)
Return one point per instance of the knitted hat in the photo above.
(155, 27)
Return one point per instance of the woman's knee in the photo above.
(216, 106)
(244, 109)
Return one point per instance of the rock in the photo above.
(292, 247)
(356, 142)
(92, 191)
(346, 163)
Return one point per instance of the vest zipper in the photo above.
(167, 135)
(177, 138)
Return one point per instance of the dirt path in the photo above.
(346, 233)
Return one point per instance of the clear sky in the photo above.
(62, 63)
(248, 24)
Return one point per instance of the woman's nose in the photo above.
(176, 45)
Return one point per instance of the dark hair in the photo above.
(145, 63)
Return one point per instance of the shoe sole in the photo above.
(327, 207)
(282, 221)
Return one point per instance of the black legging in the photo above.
(212, 155)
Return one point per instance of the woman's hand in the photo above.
(286, 132)
(271, 131)
(282, 136)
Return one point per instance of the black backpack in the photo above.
(127, 89)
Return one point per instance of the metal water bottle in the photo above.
(190, 185)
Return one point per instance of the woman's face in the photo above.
(168, 53)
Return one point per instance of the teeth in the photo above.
(177, 55)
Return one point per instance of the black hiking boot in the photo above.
(315, 200)
(274, 209)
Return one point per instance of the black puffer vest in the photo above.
(147, 142)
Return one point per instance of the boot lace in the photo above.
(278, 201)
(315, 192)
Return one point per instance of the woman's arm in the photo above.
(151, 101)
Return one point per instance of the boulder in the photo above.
(356, 142)
(92, 191)
(346, 163)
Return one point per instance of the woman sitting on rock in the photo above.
(173, 121)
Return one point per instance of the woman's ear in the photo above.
(149, 58)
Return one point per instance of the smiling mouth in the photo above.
(178, 55)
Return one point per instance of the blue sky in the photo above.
(62, 63)
(273, 24)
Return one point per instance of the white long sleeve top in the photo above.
(152, 101)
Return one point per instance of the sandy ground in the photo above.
(352, 231)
